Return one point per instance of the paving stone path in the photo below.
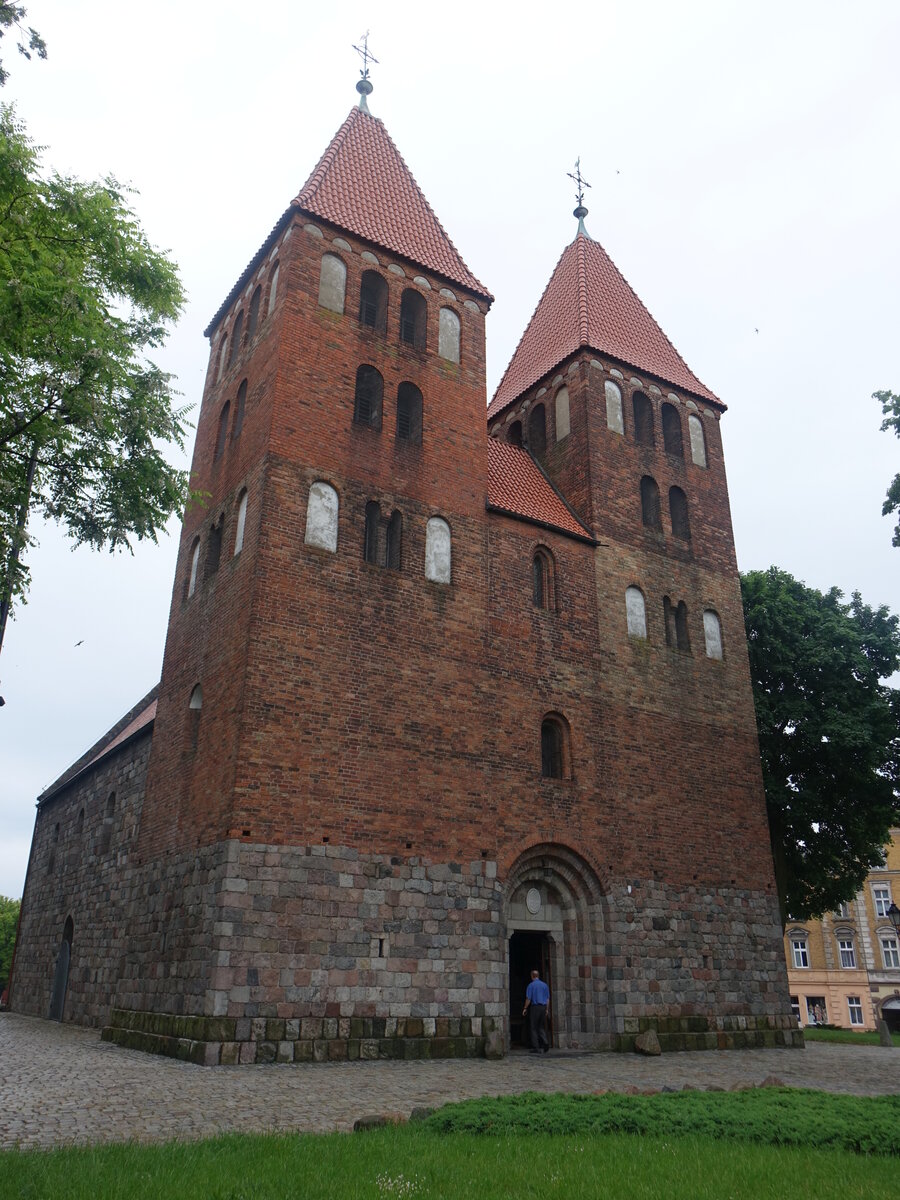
(60, 1085)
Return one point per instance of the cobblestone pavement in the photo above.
(59, 1084)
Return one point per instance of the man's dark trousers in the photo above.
(537, 1026)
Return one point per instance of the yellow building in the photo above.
(845, 968)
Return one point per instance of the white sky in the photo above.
(745, 171)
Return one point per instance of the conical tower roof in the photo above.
(589, 304)
(362, 184)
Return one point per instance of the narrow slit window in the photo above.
(239, 406)
(642, 410)
(222, 436)
(195, 563)
(671, 426)
(273, 290)
(236, 333)
(537, 431)
(698, 441)
(552, 750)
(393, 549)
(448, 335)
(562, 414)
(650, 510)
(413, 313)
(214, 546)
(241, 522)
(514, 434)
(373, 523)
(253, 317)
(368, 397)
(373, 297)
(409, 414)
(614, 407)
(542, 579)
(678, 511)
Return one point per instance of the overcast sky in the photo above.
(745, 179)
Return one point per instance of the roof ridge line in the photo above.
(582, 290)
(320, 170)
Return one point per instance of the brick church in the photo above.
(447, 693)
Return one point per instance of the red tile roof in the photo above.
(517, 485)
(363, 185)
(143, 718)
(589, 303)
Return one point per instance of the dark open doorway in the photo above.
(527, 949)
(61, 974)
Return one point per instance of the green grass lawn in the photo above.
(512, 1150)
(815, 1033)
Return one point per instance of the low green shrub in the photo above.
(766, 1116)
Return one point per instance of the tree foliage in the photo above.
(12, 16)
(84, 298)
(9, 919)
(829, 732)
(890, 408)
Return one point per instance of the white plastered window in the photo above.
(698, 440)
(614, 407)
(438, 550)
(322, 517)
(562, 414)
(241, 522)
(635, 612)
(448, 335)
(332, 283)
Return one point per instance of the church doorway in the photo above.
(890, 1011)
(528, 948)
(61, 974)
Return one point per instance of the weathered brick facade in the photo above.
(347, 837)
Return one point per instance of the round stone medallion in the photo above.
(533, 901)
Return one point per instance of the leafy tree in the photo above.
(84, 415)
(890, 407)
(9, 919)
(829, 733)
(30, 41)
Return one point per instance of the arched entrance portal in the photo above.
(61, 974)
(556, 921)
(890, 1011)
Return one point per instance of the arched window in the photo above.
(332, 283)
(322, 517)
(712, 634)
(79, 827)
(241, 522)
(195, 705)
(448, 335)
(236, 332)
(678, 511)
(542, 579)
(437, 550)
(253, 318)
(514, 434)
(671, 424)
(635, 612)
(195, 564)
(537, 431)
(373, 529)
(214, 546)
(196, 700)
(413, 312)
(273, 289)
(614, 407)
(239, 406)
(642, 410)
(222, 356)
(373, 297)
(222, 436)
(698, 441)
(393, 543)
(367, 400)
(554, 752)
(562, 414)
(676, 623)
(650, 510)
(409, 414)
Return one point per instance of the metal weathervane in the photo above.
(365, 54)
(580, 182)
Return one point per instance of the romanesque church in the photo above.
(448, 692)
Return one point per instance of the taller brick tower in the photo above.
(436, 706)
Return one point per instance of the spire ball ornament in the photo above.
(364, 84)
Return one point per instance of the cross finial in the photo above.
(364, 85)
(580, 182)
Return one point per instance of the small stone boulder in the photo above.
(647, 1043)
(884, 1035)
(361, 1124)
(421, 1114)
(493, 1045)
(773, 1081)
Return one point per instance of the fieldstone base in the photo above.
(228, 1041)
(712, 1033)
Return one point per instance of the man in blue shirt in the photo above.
(537, 1005)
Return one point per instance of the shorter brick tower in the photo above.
(439, 703)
